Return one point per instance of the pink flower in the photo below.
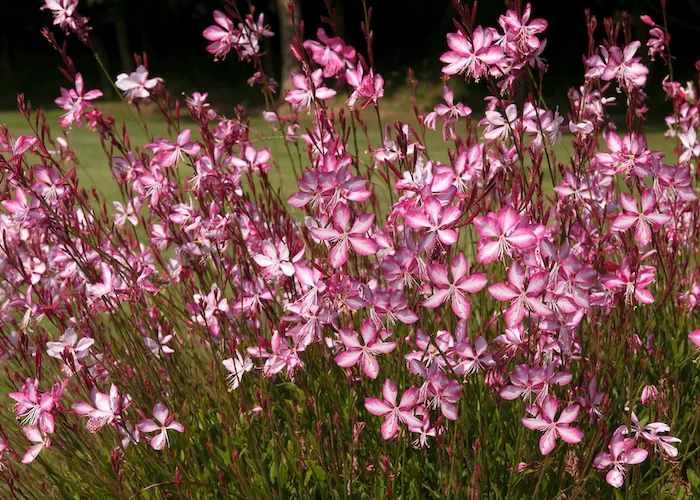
(108, 286)
(643, 220)
(244, 38)
(365, 354)
(3, 449)
(275, 259)
(68, 344)
(657, 43)
(332, 53)
(344, 237)
(159, 344)
(49, 184)
(284, 355)
(393, 306)
(552, 428)
(525, 381)
(369, 88)
(253, 160)
(392, 413)
(694, 337)
(633, 284)
(623, 66)
(443, 393)
(626, 155)
(520, 34)
(502, 233)
(106, 410)
(593, 399)
(308, 91)
(664, 444)
(168, 154)
(74, 102)
(424, 432)
(137, 84)
(437, 219)
(62, 11)
(127, 213)
(237, 366)
(165, 423)
(34, 407)
(223, 36)
(522, 298)
(691, 147)
(456, 289)
(473, 359)
(622, 453)
(474, 56)
(450, 113)
(649, 393)
(35, 436)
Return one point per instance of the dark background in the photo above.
(408, 33)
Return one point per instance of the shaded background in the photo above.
(408, 33)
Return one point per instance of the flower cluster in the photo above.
(450, 303)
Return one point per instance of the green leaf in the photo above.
(694, 481)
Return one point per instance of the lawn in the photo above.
(93, 169)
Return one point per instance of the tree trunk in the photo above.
(105, 83)
(126, 56)
(288, 63)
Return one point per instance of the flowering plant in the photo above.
(399, 323)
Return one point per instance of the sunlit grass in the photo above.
(93, 169)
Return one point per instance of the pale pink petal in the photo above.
(503, 291)
(377, 407)
(624, 221)
(390, 392)
(347, 359)
(437, 299)
(390, 427)
(339, 254)
(370, 366)
(474, 283)
(615, 478)
(548, 441)
(158, 441)
(570, 435)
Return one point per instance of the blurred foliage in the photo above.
(407, 33)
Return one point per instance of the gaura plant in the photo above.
(495, 321)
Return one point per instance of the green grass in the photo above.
(93, 169)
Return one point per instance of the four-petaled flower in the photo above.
(168, 154)
(473, 57)
(165, 423)
(344, 236)
(308, 90)
(642, 219)
(622, 453)
(237, 366)
(75, 102)
(554, 428)
(393, 413)
(369, 88)
(438, 221)
(365, 354)
(522, 298)
(108, 408)
(137, 85)
(501, 233)
(456, 289)
(331, 53)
